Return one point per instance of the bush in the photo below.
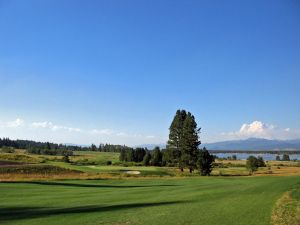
(84, 162)
(66, 159)
(252, 164)
(285, 157)
(7, 150)
(261, 162)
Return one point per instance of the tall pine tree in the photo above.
(175, 136)
(183, 140)
(190, 143)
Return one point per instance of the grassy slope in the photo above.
(212, 200)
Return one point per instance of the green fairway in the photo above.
(203, 200)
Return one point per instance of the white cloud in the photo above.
(121, 134)
(102, 132)
(49, 131)
(258, 129)
(53, 127)
(14, 124)
(150, 136)
(44, 124)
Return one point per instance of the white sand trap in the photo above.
(91, 167)
(133, 172)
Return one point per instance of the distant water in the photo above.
(265, 156)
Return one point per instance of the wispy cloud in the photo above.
(102, 132)
(49, 131)
(53, 127)
(13, 124)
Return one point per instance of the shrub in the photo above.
(66, 159)
(285, 157)
(261, 162)
(84, 162)
(252, 164)
(8, 149)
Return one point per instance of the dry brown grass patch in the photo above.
(286, 211)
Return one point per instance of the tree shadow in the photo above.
(86, 185)
(18, 213)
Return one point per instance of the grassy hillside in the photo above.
(198, 200)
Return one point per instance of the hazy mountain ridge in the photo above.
(247, 145)
(255, 144)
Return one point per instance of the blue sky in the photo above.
(117, 71)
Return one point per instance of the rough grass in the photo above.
(36, 169)
(19, 157)
(95, 166)
(197, 200)
(13, 171)
(98, 158)
(287, 209)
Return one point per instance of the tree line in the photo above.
(143, 155)
(49, 148)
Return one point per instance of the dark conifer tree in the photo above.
(93, 147)
(156, 157)
(147, 159)
(189, 143)
(175, 136)
(205, 161)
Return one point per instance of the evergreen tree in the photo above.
(122, 156)
(93, 147)
(139, 154)
(147, 159)
(175, 136)
(129, 155)
(166, 157)
(204, 162)
(260, 162)
(156, 157)
(285, 157)
(189, 143)
(278, 158)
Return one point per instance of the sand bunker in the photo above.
(133, 172)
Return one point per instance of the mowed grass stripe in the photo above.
(203, 200)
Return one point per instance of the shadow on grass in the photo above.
(86, 185)
(18, 213)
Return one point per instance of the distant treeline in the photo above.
(110, 148)
(49, 148)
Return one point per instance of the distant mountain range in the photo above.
(255, 144)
